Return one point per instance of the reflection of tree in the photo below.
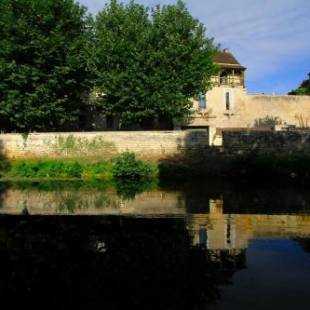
(108, 262)
(129, 189)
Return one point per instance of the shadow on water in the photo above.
(265, 198)
(103, 261)
(195, 158)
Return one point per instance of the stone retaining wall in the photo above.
(280, 142)
(146, 144)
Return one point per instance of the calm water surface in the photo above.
(205, 246)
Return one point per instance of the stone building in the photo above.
(228, 105)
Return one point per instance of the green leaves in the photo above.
(44, 64)
(302, 90)
(126, 166)
(149, 63)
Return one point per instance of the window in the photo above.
(202, 102)
(228, 233)
(203, 237)
(227, 100)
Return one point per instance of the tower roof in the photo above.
(225, 59)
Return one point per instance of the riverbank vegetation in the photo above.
(122, 167)
(126, 168)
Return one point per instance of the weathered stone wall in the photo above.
(152, 145)
(249, 110)
(146, 144)
(281, 142)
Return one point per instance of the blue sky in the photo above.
(269, 37)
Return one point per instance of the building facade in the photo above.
(228, 105)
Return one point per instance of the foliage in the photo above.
(302, 90)
(101, 169)
(45, 169)
(44, 72)
(268, 121)
(126, 166)
(149, 63)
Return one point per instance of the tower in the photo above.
(231, 71)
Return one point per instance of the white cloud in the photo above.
(264, 35)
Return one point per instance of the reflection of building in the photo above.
(218, 231)
(226, 236)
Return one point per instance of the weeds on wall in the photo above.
(302, 122)
(268, 121)
(25, 138)
(75, 147)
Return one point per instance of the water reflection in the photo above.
(158, 249)
(115, 263)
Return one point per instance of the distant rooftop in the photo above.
(226, 59)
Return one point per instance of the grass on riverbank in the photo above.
(123, 167)
(53, 169)
(126, 167)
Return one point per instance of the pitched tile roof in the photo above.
(227, 60)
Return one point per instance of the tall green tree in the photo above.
(44, 74)
(150, 63)
(303, 89)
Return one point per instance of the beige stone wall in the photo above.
(100, 145)
(246, 109)
(271, 142)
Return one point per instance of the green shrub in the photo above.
(74, 170)
(100, 169)
(45, 168)
(126, 166)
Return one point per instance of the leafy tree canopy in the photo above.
(150, 62)
(302, 90)
(43, 63)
